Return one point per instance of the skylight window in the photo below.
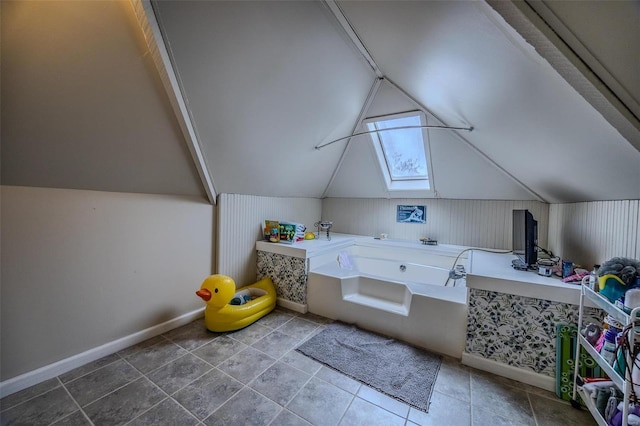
(402, 151)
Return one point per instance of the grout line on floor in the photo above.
(84, 414)
(4, 409)
(147, 410)
(347, 409)
(533, 412)
(531, 395)
(227, 400)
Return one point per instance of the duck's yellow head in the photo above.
(217, 290)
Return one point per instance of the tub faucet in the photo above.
(457, 273)
(324, 226)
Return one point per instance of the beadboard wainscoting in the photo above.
(477, 223)
(591, 233)
(240, 222)
(584, 232)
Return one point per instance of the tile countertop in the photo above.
(493, 272)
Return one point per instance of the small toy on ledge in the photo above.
(429, 241)
(616, 276)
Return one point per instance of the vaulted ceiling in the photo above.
(550, 88)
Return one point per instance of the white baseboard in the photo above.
(508, 371)
(294, 306)
(57, 368)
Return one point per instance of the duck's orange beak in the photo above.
(204, 294)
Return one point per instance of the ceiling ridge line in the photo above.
(150, 28)
(375, 87)
(536, 31)
(475, 148)
(351, 33)
(562, 32)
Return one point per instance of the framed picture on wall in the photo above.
(411, 214)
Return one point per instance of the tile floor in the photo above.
(190, 376)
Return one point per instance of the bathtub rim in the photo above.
(457, 294)
(313, 248)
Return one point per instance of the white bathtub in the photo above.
(394, 288)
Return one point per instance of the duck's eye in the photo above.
(216, 290)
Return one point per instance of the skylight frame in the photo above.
(422, 183)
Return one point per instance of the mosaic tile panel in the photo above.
(289, 275)
(519, 331)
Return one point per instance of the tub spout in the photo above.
(324, 226)
(457, 273)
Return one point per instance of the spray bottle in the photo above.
(593, 278)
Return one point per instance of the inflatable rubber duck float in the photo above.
(229, 309)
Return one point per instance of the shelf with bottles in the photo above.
(619, 375)
(620, 381)
(591, 406)
(604, 303)
(603, 363)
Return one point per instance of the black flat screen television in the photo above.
(525, 237)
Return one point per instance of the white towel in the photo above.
(591, 389)
(344, 260)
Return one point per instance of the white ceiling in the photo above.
(614, 55)
(266, 82)
(554, 112)
(456, 164)
(267, 78)
(82, 104)
(593, 45)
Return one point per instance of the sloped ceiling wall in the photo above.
(614, 59)
(456, 165)
(467, 66)
(593, 45)
(82, 103)
(267, 78)
(266, 82)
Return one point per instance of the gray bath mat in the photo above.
(397, 369)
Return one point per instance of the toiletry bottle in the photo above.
(608, 350)
(593, 278)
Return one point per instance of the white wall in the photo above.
(266, 82)
(478, 223)
(83, 106)
(592, 233)
(469, 67)
(240, 222)
(83, 268)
